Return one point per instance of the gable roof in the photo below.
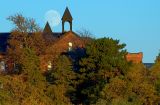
(67, 15)
(67, 36)
(5, 36)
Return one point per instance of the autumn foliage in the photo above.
(99, 76)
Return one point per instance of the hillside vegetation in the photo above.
(102, 75)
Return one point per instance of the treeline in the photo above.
(100, 76)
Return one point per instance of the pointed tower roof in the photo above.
(67, 15)
(47, 29)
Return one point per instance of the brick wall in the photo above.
(135, 57)
(61, 46)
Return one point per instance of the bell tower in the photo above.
(67, 17)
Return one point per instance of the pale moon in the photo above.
(53, 17)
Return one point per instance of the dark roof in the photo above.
(136, 53)
(47, 29)
(148, 65)
(3, 41)
(49, 35)
(5, 36)
(57, 34)
(67, 15)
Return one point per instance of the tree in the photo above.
(29, 86)
(114, 90)
(62, 79)
(26, 34)
(134, 89)
(155, 75)
(104, 60)
(157, 58)
(139, 87)
(6, 97)
(85, 35)
(22, 24)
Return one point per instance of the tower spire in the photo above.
(47, 33)
(67, 17)
(47, 29)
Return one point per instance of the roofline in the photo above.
(135, 53)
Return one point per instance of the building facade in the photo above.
(61, 42)
(64, 41)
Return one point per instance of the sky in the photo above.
(134, 22)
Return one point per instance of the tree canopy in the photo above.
(102, 75)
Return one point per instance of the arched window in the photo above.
(67, 26)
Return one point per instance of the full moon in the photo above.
(53, 17)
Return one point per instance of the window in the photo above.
(16, 67)
(2, 66)
(49, 65)
(70, 46)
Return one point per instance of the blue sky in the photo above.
(134, 22)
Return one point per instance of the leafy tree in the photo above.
(157, 58)
(103, 77)
(114, 90)
(62, 79)
(134, 89)
(26, 34)
(104, 60)
(139, 88)
(29, 86)
(16, 91)
(6, 97)
(155, 76)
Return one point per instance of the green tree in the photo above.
(104, 60)
(26, 34)
(29, 86)
(140, 89)
(62, 79)
(155, 75)
(134, 89)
